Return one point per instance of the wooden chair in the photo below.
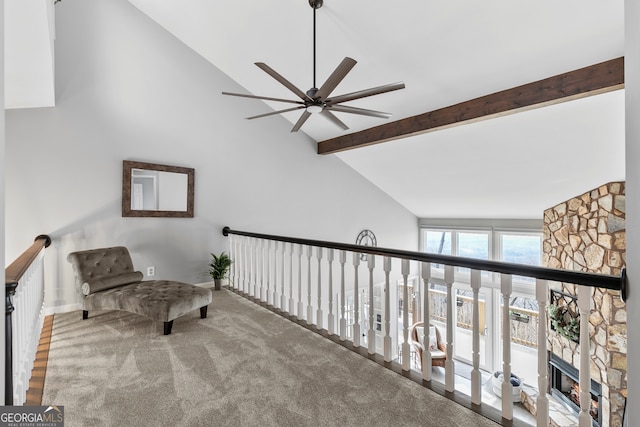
(436, 346)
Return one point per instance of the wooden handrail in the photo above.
(593, 280)
(14, 272)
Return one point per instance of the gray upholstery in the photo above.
(106, 280)
(157, 299)
(102, 284)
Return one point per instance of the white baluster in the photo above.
(269, 292)
(309, 306)
(261, 270)
(387, 310)
(426, 354)
(236, 260)
(233, 257)
(371, 335)
(331, 319)
(263, 280)
(300, 302)
(542, 403)
(292, 302)
(449, 365)
(274, 292)
(237, 263)
(476, 386)
(283, 299)
(507, 388)
(247, 265)
(254, 267)
(278, 284)
(242, 264)
(319, 314)
(356, 301)
(259, 278)
(406, 348)
(584, 306)
(343, 319)
(264, 290)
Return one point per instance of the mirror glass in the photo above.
(152, 190)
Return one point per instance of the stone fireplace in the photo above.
(564, 386)
(587, 233)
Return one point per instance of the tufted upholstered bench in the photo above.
(106, 280)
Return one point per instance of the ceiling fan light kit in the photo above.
(318, 101)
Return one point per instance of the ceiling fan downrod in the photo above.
(315, 4)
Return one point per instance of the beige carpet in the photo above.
(242, 366)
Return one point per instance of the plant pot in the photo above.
(519, 317)
(219, 283)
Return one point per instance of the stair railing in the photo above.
(255, 270)
(24, 293)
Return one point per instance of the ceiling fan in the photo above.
(320, 100)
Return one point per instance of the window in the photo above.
(463, 243)
(520, 248)
(437, 242)
(484, 240)
(473, 244)
(468, 244)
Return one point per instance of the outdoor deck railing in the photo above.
(24, 293)
(309, 279)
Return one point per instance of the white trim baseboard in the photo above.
(48, 311)
(205, 284)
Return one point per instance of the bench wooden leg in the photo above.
(167, 327)
(85, 314)
(203, 312)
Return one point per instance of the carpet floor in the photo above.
(242, 366)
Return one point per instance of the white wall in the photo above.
(632, 137)
(2, 179)
(127, 89)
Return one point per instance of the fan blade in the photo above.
(275, 112)
(364, 93)
(266, 98)
(335, 78)
(361, 111)
(334, 119)
(303, 118)
(286, 83)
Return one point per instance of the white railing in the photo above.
(24, 282)
(255, 269)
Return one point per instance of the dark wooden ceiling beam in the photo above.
(599, 78)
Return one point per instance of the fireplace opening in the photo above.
(564, 386)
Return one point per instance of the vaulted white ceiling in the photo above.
(445, 53)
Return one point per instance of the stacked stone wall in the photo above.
(587, 233)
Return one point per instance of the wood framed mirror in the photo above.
(153, 190)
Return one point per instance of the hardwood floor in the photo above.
(36, 383)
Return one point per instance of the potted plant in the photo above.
(219, 268)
